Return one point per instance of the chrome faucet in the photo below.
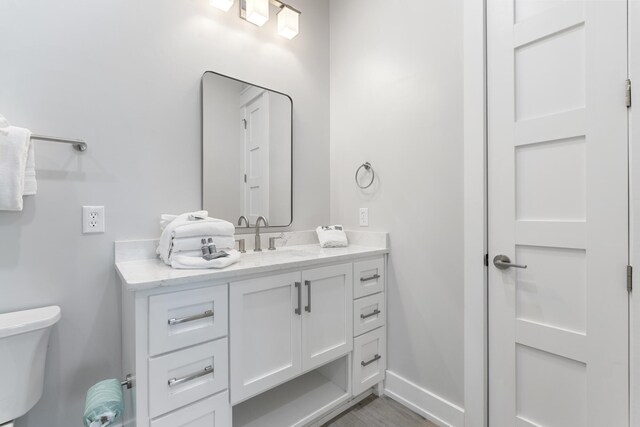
(257, 247)
(243, 218)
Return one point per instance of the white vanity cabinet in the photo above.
(288, 324)
(277, 347)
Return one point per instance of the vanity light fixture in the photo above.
(222, 4)
(255, 11)
(288, 21)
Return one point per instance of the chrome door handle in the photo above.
(297, 310)
(376, 357)
(502, 262)
(308, 306)
(175, 381)
(208, 313)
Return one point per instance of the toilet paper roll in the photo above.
(104, 404)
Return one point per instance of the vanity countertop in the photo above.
(142, 274)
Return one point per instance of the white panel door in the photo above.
(264, 334)
(256, 156)
(557, 168)
(327, 318)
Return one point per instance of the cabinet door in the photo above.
(327, 319)
(265, 334)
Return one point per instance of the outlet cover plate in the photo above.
(364, 217)
(92, 219)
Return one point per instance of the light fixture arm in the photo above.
(280, 5)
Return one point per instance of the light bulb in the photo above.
(288, 22)
(257, 12)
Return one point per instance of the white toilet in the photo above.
(24, 336)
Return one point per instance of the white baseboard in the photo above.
(422, 401)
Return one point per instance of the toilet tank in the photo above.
(24, 336)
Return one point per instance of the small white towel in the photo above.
(332, 236)
(15, 147)
(189, 262)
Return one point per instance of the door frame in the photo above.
(476, 384)
(476, 213)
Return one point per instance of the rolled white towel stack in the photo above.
(181, 240)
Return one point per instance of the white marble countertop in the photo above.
(143, 274)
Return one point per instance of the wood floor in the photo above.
(379, 412)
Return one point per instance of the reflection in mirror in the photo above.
(246, 151)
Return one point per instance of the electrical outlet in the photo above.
(92, 219)
(364, 217)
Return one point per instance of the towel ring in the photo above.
(367, 166)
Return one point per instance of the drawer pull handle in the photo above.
(208, 313)
(175, 381)
(298, 287)
(366, 279)
(376, 357)
(373, 313)
(307, 307)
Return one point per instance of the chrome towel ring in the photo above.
(367, 166)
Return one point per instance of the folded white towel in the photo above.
(195, 243)
(30, 183)
(204, 227)
(165, 219)
(187, 225)
(188, 262)
(332, 236)
(14, 150)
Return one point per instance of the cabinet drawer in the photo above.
(180, 378)
(182, 319)
(369, 360)
(368, 313)
(214, 411)
(368, 277)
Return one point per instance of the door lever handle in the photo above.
(502, 262)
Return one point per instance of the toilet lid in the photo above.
(20, 322)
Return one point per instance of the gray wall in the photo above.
(125, 75)
(396, 96)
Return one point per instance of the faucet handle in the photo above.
(241, 248)
(272, 243)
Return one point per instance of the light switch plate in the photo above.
(364, 217)
(92, 219)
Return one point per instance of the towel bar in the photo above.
(78, 144)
